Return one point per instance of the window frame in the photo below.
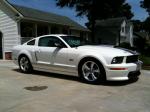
(123, 29)
(63, 44)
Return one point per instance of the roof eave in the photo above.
(12, 8)
(33, 19)
(40, 20)
(86, 30)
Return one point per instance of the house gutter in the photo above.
(16, 11)
(27, 18)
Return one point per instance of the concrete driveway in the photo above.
(59, 93)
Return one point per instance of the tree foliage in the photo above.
(138, 25)
(146, 24)
(98, 9)
(146, 5)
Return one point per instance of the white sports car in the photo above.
(64, 54)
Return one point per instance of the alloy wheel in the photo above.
(90, 71)
(24, 64)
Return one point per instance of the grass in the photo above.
(146, 62)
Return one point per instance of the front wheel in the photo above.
(92, 71)
(24, 64)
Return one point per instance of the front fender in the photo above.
(100, 58)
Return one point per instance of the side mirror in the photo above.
(58, 45)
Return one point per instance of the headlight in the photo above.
(117, 60)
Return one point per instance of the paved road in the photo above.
(67, 94)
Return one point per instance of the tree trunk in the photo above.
(93, 31)
(93, 21)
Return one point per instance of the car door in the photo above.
(50, 56)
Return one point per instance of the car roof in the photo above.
(56, 35)
(53, 35)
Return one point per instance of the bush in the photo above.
(147, 51)
(140, 44)
(145, 60)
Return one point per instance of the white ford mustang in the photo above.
(64, 54)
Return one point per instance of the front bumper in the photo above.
(134, 74)
(125, 71)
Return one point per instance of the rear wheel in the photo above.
(25, 65)
(92, 71)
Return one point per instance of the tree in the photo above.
(138, 25)
(98, 9)
(146, 25)
(146, 5)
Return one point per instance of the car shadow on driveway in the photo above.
(48, 74)
(77, 79)
(119, 83)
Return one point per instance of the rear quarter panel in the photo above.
(29, 51)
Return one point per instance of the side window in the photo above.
(50, 41)
(123, 30)
(32, 42)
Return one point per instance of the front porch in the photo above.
(31, 29)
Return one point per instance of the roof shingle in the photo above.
(48, 17)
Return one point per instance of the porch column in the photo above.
(59, 30)
(49, 29)
(36, 30)
(19, 32)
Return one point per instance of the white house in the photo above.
(19, 24)
(114, 31)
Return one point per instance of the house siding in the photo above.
(114, 33)
(9, 29)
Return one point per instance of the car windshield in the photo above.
(74, 41)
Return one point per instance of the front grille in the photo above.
(132, 59)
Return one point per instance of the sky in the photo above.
(139, 13)
(50, 6)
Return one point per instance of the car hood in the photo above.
(107, 50)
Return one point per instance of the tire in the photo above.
(91, 71)
(25, 64)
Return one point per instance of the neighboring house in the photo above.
(143, 35)
(19, 24)
(114, 31)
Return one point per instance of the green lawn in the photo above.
(146, 62)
